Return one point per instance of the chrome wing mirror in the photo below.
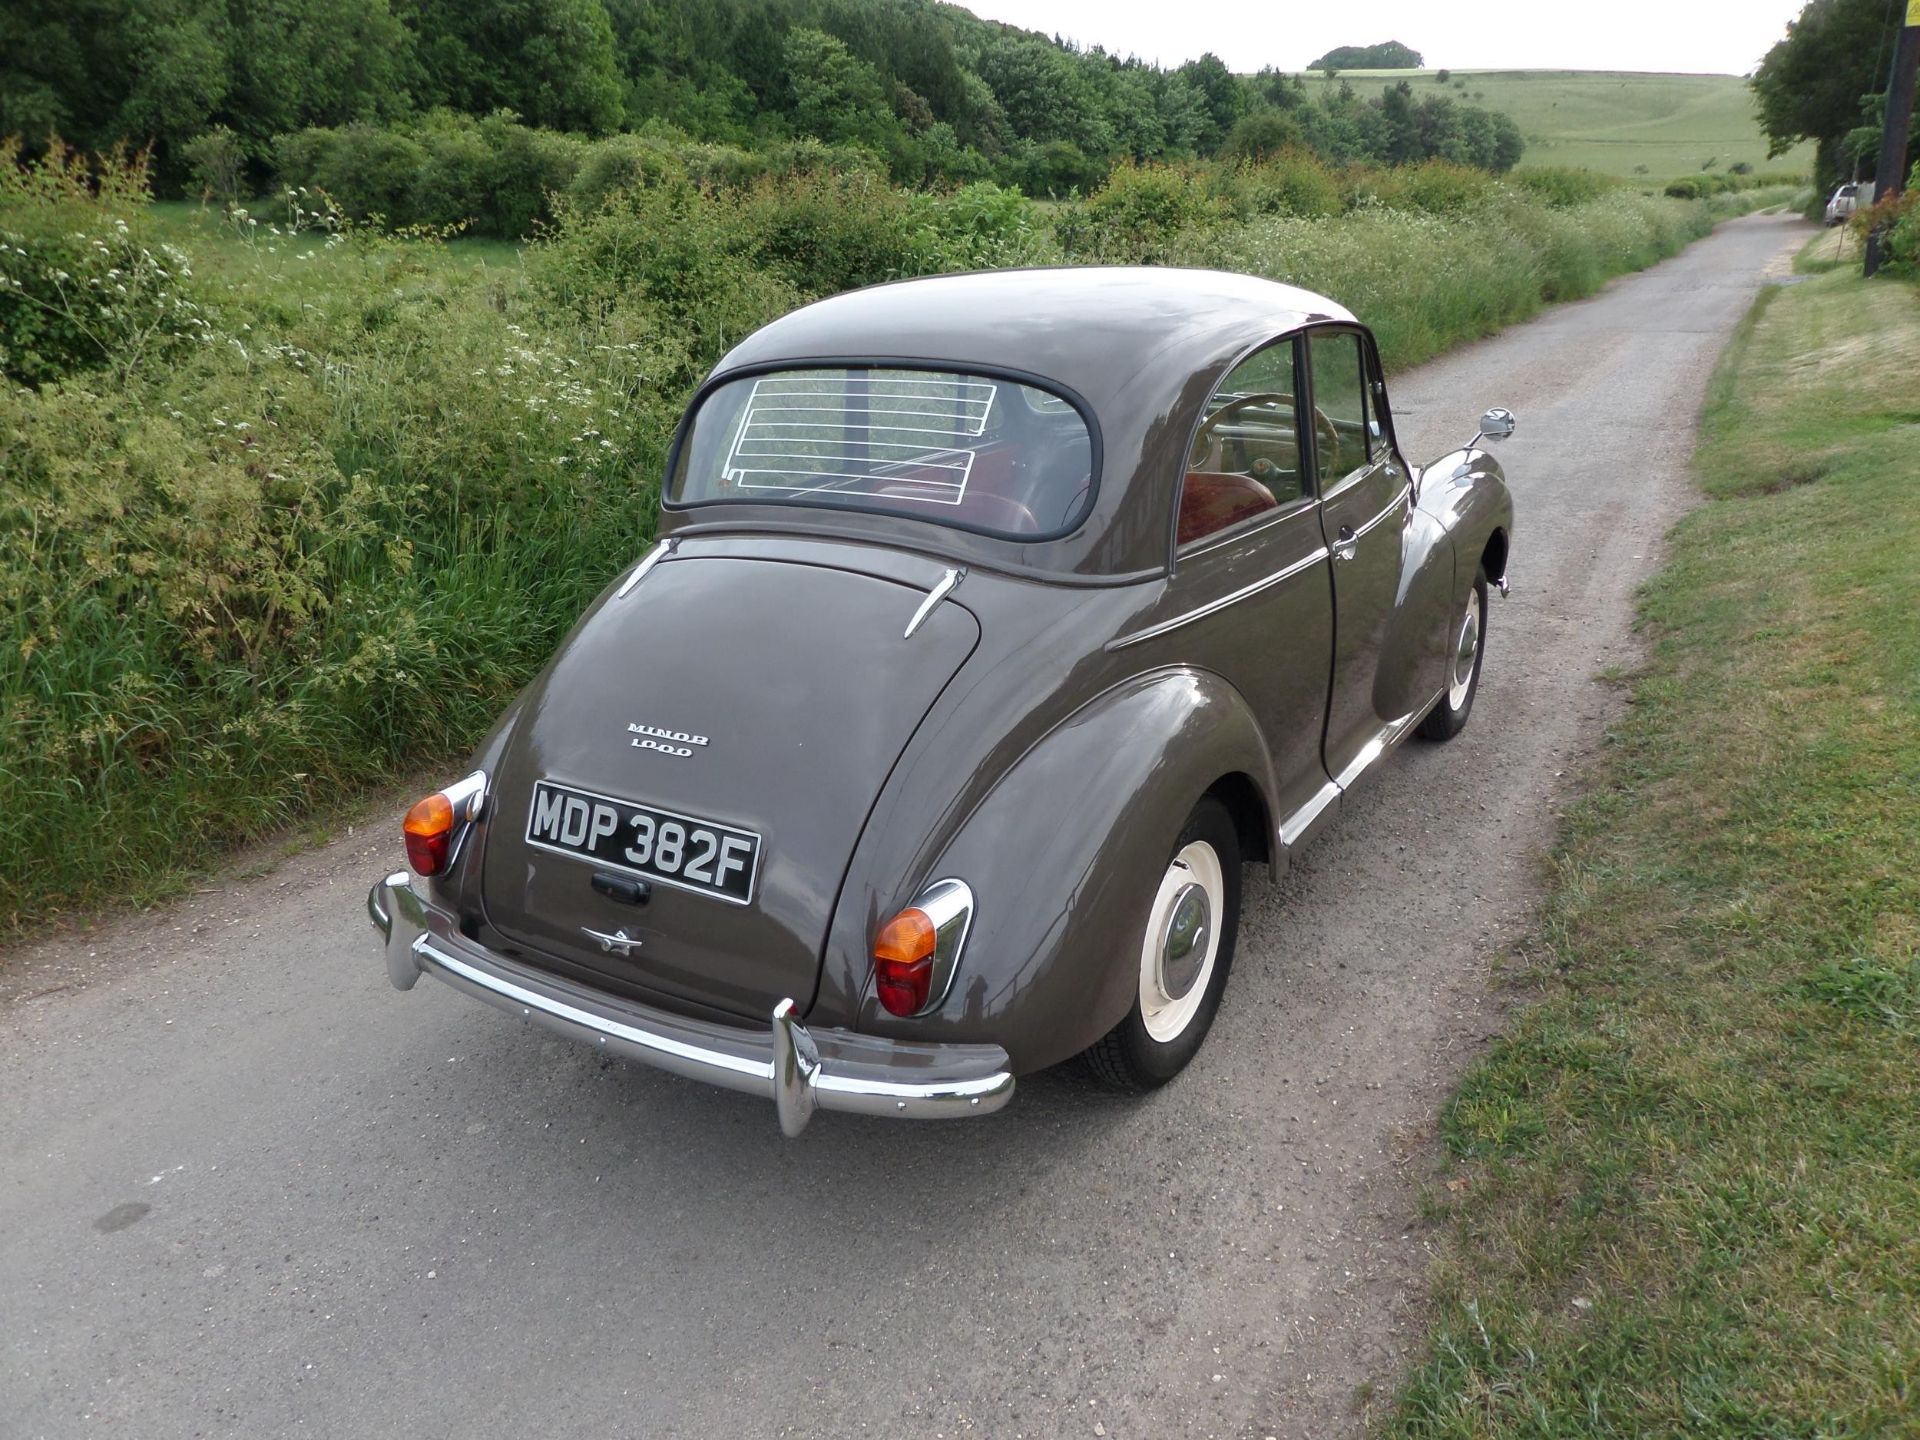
(1497, 424)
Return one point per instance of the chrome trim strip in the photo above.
(1385, 739)
(1306, 562)
(654, 556)
(1363, 758)
(468, 798)
(1340, 487)
(1304, 819)
(1392, 505)
(949, 905)
(946, 586)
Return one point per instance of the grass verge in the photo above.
(1688, 1188)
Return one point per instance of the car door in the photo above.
(1249, 592)
(1365, 507)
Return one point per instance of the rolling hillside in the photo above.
(1608, 120)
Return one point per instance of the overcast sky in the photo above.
(1721, 36)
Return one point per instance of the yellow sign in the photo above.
(1913, 12)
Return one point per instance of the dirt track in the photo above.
(245, 1187)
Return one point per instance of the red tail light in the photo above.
(903, 962)
(429, 831)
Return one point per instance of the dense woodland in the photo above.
(930, 92)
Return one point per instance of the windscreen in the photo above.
(977, 451)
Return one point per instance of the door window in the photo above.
(1245, 459)
(1343, 442)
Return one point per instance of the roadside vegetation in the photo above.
(293, 505)
(1685, 1188)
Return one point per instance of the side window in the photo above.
(1246, 454)
(1342, 440)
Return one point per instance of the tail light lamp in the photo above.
(435, 827)
(917, 952)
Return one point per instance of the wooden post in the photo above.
(1891, 176)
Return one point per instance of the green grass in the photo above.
(202, 228)
(1686, 1188)
(1648, 127)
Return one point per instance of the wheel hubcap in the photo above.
(1182, 942)
(1183, 950)
(1466, 650)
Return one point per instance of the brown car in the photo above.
(996, 620)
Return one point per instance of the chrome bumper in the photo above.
(797, 1070)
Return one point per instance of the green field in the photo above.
(1641, 126)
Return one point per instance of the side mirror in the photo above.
(1497, 424)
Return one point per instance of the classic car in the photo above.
(994, 622)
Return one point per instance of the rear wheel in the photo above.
(1466, 646)
(1185, 954)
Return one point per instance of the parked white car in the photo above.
(1845, 201)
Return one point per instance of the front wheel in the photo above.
(1185, 954)
(1467, 646)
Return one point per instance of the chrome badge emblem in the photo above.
(618, 943)
(667, 742)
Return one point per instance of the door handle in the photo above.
(1347, 543)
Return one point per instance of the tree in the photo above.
(550, 61)
(296, 63)
(837, 97)
(64, 69)
(1262, 134)
(1812, 84)
(180, 50)
(1220, 93)
(1389, 55)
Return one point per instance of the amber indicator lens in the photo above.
(903, 962)
(429, 831)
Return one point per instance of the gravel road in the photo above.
(247, 1189)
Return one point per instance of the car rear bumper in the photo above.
(798, 1070)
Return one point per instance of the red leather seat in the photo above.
(1212, 500)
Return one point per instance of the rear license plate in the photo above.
(676, 850)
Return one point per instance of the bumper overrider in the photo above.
(798, 1070)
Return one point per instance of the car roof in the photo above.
(1141, 346)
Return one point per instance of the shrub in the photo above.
(368, 171)
(830, 232)
(448, 169)
(530, 166)
(984, 226)
(1561, 186)
(79, 287)
(1144, 214)
(1438, 187)
(302, 557)
(623, 162)
(1897, 218)
(1294, 182)
(217, 166)
(1261, 135)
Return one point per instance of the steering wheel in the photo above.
(1323, 432)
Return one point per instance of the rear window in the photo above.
(977, 451)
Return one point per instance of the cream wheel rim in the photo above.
(1182, 943)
